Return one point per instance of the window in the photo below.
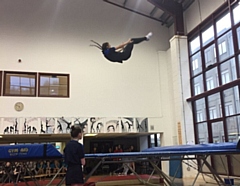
(155, 140)
(213, 106)
(199, 116)
(198, 84)
(231, 97)
(225, 46)
(236, 16)
(195, 64)
(222, 48)
(207, 35)
(238, 34)
(19, 84)
(219, 48)
(225, 77)
(212, 112)
(223, 24)
(228, 109)
(53, 85)
(200, 110)
(233, 128)
(217, 132)
(212, 78)
(195, 45)
(210, 55)
(202, 133)
(210, 83)
(197, 89)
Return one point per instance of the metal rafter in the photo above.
(131, 10)
(173, 8)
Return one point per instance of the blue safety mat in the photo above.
(34, 151)
(200, 149)
(203, 147)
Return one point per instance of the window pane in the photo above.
(212, 79)
(19, 84)
(228, 71)
(239, 62)
(233, 125)
(225, 46)
(53, 85)
(207, 35)
(44, 81)
(152, 138)
(218, 132)
(198, 85)
(195, 45)
(202, 131)
(223, 24)
(214, 104)
(196, 63)
(238, 34)
(210, 55)
(231, 101)
(200, 110)
(236, 16)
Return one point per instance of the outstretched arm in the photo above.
(123, 45)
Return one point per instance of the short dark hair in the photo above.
(104, 46)
(75, 130)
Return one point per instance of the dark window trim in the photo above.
(17, 72)
(216, 90)
(215, 15)
(225, 8)
(54, 74)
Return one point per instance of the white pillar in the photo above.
(183, 125)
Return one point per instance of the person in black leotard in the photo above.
(74, 158)
(122, 52)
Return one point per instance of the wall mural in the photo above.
(47, 125)
(127, 124)
(82, 122)
(30, 126)
(59, 125)
(142, 124)
(112, 125)
(63, 125)
(10, 126)
(96, 125)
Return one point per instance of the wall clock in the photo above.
(18, 106)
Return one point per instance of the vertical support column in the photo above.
(181, 89)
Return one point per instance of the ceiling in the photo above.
(158, 10)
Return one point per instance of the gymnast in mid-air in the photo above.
(121, 52)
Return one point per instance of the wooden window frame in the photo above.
(5, 73)
(54, 74)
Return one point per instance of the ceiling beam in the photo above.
(131, 10)
(125, 2)
(153, 11)
(173, 8)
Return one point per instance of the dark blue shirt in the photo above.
(112, 55)
(73, 153)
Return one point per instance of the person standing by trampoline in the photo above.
(121, 52)
(74, 158)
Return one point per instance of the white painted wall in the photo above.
(54, 36)
(199, 11)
